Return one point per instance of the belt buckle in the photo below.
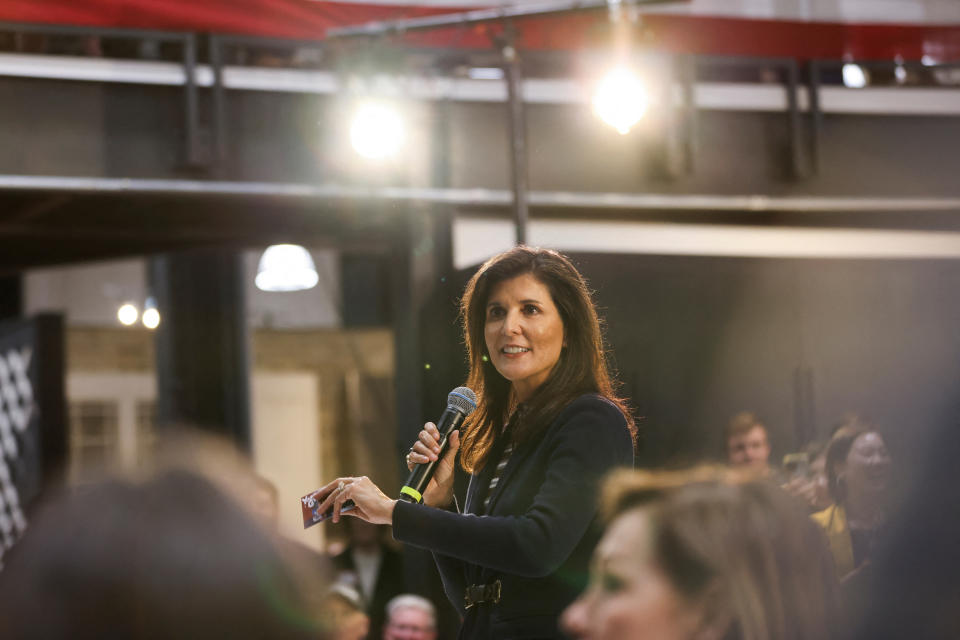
(472, 595)
(480, 593)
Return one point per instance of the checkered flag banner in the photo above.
(24, 351)
(16, 416)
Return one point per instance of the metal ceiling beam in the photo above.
(526, 10)
(478, 197)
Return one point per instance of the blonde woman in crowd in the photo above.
(706, 554)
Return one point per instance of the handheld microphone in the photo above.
(460, 403)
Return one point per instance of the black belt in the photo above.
(482, 594)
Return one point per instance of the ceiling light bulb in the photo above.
(900, 74)
(621, 100)
(854, 76)
(127, 314)
(376, 131)
(150, 318)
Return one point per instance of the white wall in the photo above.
(476, 239)
(286, 445)
(90, 294)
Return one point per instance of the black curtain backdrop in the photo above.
(801, 342)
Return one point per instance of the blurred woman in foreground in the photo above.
(704, 555)
(169, 557)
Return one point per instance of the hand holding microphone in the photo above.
(431, 461)
(431, 458)
(426, 449)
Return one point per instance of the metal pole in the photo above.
(690, 114)
(191, 105)
(518, 140)
(219, 125)
(816, 116)
(793, 115)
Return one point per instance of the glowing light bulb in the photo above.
(854, 76)
(900, 73)
(376, 131)
(150, 318)
(127, 314)
(286, 267)
(621, 100)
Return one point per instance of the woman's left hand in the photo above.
(372, 504)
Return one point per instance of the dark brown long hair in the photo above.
(582, 366)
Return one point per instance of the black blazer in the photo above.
(540, 531)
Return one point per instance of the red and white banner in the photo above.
(860, 29)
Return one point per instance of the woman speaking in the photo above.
(547, 427)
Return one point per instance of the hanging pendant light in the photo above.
(286, 267)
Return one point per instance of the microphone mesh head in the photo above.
(463, 399)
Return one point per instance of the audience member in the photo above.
(910, 587)
(169, 557)
(747, 444)
(309, 568)
(819, 498)
(858, 477)
(372, 567)
(706, 554)
(344, 614)
(410, 617)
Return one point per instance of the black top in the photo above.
(540, 529)
(863, 542)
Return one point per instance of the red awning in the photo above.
(307, 19)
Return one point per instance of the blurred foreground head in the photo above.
(706, 554)
(169, 556)
(344, 615)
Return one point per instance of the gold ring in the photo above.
(341, 486)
